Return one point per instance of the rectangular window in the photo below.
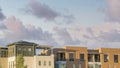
(44, 63)
(49, 63)
(97, 57)
(71, 56)
(105, 58)
(90, 58)
(116, 58)
(39, 63)
(61, 56)
(81, 57)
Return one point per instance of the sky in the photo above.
(85, 23)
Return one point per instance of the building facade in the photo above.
(38, 56)
(35, 56)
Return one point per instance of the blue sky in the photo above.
(81, 9)
(58, 22)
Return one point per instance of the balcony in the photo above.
(93, 57)
(60, 59)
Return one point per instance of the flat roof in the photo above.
(22, 42)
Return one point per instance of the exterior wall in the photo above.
(42, 59)
(4, 62)
(111, 52)
(11, 62)
(29, 61)
(77, 62)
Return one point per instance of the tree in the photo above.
(20, 61)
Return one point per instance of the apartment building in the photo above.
(3, 57)
(81, 57)
(35, 56)
(71, 57)
(39, 56)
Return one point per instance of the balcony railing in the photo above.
(60, 59)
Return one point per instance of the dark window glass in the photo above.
(81, 57)
(39, 63)
(115, 58)
(97, 57)
(105, 58)
(90, 57)
(71, 56)
(61, 57)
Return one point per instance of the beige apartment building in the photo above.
(39, 56)
(81, 57)
(35, 56)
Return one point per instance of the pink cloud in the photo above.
(17, 31)
(113, 10)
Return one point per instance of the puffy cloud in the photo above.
(92, 37)
(17, 31)
(42, 10)
(113, 10)
(2, 26)
(2, 16)
(64, 38)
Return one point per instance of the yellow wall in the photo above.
(78, 51)
(4, 62)
(42, 59)
(111, 52)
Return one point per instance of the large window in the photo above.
(105, 58)
(90, 57)
(61, 56)
(71, 56)
(81, 57)
(116, 58)
(97, 57)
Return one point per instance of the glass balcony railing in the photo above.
(60, 59)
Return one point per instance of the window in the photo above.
(90, 57)
(105, 58)
(97, 57)
(44, 63)
(71, 56)
(29, 49)
(49, 63)
(61, 56)
(39, 63)
(73, 65)
(116, 58)
(81, 57)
